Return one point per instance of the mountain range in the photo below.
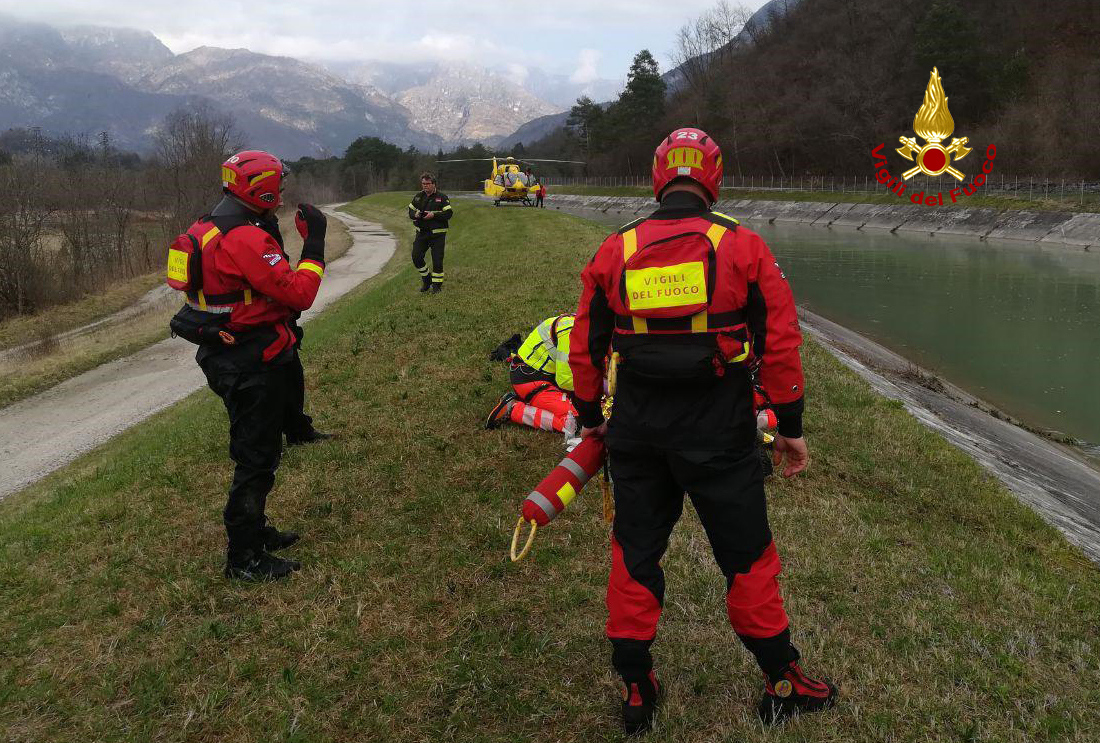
(87, 79)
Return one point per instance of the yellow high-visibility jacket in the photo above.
(547, 350)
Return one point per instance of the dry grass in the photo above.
(52, 362)
(944, 609)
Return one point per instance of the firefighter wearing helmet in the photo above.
(243, 303)
(690, 302)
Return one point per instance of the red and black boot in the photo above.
(640, 700)
(790, 692)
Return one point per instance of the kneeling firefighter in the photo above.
(689, 301)
(541, 381)
(243, 303)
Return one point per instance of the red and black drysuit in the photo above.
(684, 421)
(259, 377)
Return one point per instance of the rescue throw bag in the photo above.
(201, 328)
(558, 489)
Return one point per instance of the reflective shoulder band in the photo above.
(726, 216)
(208, 237)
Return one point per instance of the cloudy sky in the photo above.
(582, 38)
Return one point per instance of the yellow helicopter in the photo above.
(508, 182)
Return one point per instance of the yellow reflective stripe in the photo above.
(715, 234)
(413, 208)
(208, 237)
(445, 208)
(257, 178)
(437, 232)
(726, 216)
(248, 296)
(699, 322)
(630, 244)
(202, 300)
(744, 354)
(640, 325)
(312, 267)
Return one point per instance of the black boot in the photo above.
(426, 284)
(640, 701)
(437, 287)
(275, 540)
(310, 437)
(633, 662)
(790, 692)
(259, 567)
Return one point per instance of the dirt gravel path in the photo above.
(45, 432)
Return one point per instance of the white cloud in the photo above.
(517, 73)
(588, 61)
(591, 40)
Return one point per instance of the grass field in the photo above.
(32, 374)
(1090, 203)
(944, 609)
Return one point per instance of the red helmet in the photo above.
(688, 153)
(254, 177)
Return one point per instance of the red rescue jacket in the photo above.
(247, 274)
(735, 296)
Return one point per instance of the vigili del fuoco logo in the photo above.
(933, 124)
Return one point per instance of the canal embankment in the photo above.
(1070, 230)
(1039, 466)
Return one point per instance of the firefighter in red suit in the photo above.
(688, 300)
(251, 290)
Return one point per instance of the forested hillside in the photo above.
(830, 79)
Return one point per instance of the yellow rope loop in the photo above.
(530, 539)
(608, 500)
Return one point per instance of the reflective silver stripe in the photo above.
(575, 468)
(546, 420)
(548, 342)
(542, 502)
(217, 309)
(529, 415)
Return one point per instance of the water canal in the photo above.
(1015, 324)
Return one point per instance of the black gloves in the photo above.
(505, 350)
(311, 224)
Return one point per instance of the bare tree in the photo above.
(25, 209)
(709, 38)
(191, 145)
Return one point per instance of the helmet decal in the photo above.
(254, 177)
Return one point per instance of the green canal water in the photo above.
(1014, 324)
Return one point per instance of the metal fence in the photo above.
(1029, 187)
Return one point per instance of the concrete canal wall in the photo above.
(1079, 231)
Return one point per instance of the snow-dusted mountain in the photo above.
(88, 79)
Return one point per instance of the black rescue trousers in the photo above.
(727, 491)
(262, 404)
(424, 242)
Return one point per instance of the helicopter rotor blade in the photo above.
(542, 160)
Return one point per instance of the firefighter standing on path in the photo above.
(688, 299)
(252, 299)
(431, 212)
